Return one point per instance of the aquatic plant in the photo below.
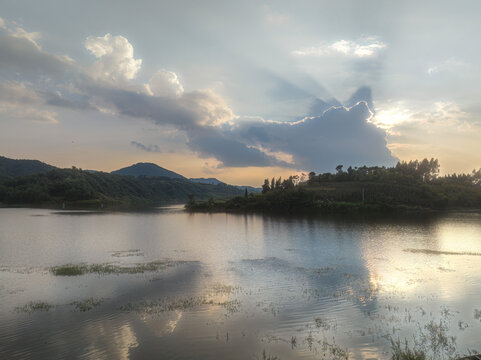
(293, 342)
(87, 304)
(171, 304)
(322, 323)
(332, 351)
(266, 356)
(102, 269)
(127, 253)
(34, 306)
(402, 351)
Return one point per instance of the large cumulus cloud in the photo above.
(327, 136)
(341, 135)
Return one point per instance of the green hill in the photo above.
(82, 189)
(147, 169)
(412, 186)
(10, 168)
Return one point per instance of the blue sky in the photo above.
(241, 90)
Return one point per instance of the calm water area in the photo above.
(172, 285)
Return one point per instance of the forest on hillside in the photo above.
(82, 189)
(414, 185)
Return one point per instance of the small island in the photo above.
(408, 186)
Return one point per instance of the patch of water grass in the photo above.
(322, 323)
(103, 269)
(32, 306)
(126, 253)
(172, 304)
(437, 252)
(332, 351)
(87, 304)
(266, 356)
(402, 351)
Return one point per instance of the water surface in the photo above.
(234, 286)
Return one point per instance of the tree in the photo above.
(339, 169)
(278, 183)
(246, 194)
(265, 187)
(312, 178)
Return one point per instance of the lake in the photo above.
(172, 285)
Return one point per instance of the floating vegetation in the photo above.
(437, 252)
(266, 356)
(293, 342)
(126, 253)
(322, 323)
(34, 306)
(103, 269)
(477, 314)
(223, 289)
(433, 342)
(87, 304)
(310, 341)
(401, 351)
(173, 304)
(332, 351)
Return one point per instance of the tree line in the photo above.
(406, 172)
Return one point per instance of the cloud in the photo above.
(438, 114)
(273, 17)
(200, 114)
(32, 37)
(448, 65)
(148, 148)
(18, 93)
(115, 57)
(2, 24)
(165, 83)
(441, 129)
(342, 134)
(19, 102)
(363, 48)
(20, 55)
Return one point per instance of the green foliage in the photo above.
(402, 351)
(83, 189)
(10, 168)
(413, 185)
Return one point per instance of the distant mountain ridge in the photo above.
(212, 181)
(151, 169)
(147, 169)
(11, 168)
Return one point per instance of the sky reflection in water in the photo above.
(238, 284)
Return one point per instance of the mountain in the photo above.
(10, 168)
(212, 181)
(147, 169)
(81, 189)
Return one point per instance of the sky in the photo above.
(241, 90)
